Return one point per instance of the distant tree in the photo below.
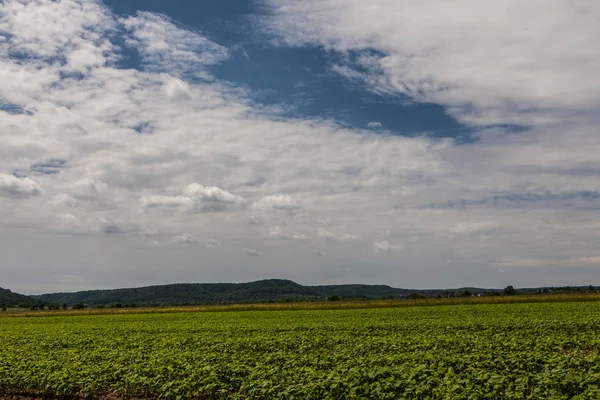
(3, 308)
(79, 306)
(465, 293)
(415, 296)
(591, 288)
(509, 290)
(334, 297)
(64, 306)
(545, 291)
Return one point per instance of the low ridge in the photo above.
(251, 292)
(9, 299)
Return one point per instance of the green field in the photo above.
(480, 351)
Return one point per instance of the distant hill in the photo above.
(251, 292)
(360, 291)
(214, 293)
(8, 299)
(189, 293)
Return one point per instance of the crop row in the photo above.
(509, 351)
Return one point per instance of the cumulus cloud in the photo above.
(149, 233)
(213, 244)
(212, 196)
(195, 198)
(293, 236)
(186, 240)
(252, 252)
(68, 218)
(139, 138)
(520, 67)
(385, 246)
(51, 38)
(374, 124)
(87, 188)
(18, 188)
(278, 202)
(166, 47)
(64, 200)
(472, 228)
(177, 90)
(277, 231)
(166, 201)
(345, 237)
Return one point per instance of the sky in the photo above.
(422, 144)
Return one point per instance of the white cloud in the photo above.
(294, 236)
(374, 124)
(346, 237)
(186, 240)
(213, 244)
(166, 201)
(385, 246)
(138, 138)
(166, 47)
(195, 198)
(13, 187)
(275, 230)
(87, 188)
(177, 90)
(212, 195)
(278, 232)
(323, 233)
(68, 218)
(278, 202)
(489, 63)
(64, 200)
(149, 233)
(252, 252)
(38, 29)
(470, 228)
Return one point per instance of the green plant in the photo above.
(479, 351)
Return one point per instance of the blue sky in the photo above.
(418, 145)
(300, 79)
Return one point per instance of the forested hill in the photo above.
(213, 293)
(251, 292)
(8, 298)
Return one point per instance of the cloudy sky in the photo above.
(416, 144)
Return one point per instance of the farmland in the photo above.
(509, 351)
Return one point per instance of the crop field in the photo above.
(471, 351)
